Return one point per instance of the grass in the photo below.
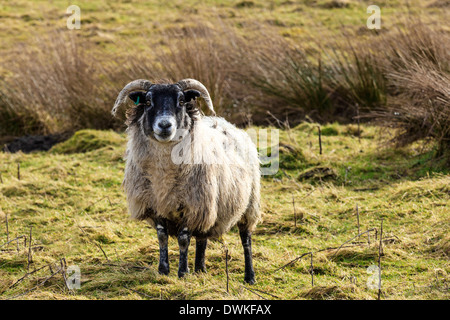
(72, 199)
(294, 60)
(427, 114)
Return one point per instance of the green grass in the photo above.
(296, 59)
(105, 22)
(72, 199)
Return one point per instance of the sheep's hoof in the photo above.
(200, 269)
(250, 279)
(182, 273)
(163, 269)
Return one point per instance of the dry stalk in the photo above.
(139, 293)
(95, 202)
(320, 140)
(357, 236)
(95, 243)
(380, 252)
(292, 261)
(295, 214)
(15, 239)
(253, 291)
(226, 266)
(30, 273)
(7, 230)
(63, 265)
(312, 271)
(258, 290)
(30, 258)
(357, 217)
(39, 284)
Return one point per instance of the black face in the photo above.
(164, 110)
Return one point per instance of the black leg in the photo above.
(246, 240)
(200, 248)
(184, 238)
(163, 237)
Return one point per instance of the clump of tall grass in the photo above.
(416, 62)
(62, 83)
(401, 80)
(324, 83)
(55, 84)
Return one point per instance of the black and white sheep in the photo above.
(188, 174)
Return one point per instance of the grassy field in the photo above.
(312, 59)
(71, 201)
(135, 20)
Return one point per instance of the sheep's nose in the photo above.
(164, 124)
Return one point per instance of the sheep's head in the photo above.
(162, 109)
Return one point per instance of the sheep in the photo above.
(187, 174)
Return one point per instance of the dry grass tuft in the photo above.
(330, 292)
(57, 84)
(416, 64)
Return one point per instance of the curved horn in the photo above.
(135, 85)
(186, 84)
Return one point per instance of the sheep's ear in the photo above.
(137, 97)
(191, 95)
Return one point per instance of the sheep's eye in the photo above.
(181, 103)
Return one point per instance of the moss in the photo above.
(291, 157)
(330, 130)
(88, 140)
